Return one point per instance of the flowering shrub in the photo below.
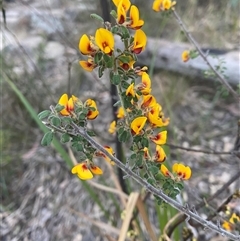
(141, 120)
(140, 123)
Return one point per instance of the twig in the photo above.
(180, 217)
(204, 151)
(156, 191)
(193, 41)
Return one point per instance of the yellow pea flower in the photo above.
(67, 103)
(165, 171)
(183, 172)
(160, 138)
(87, 65)
(130, 90)
(92, 114)
(110, 151)
(104, 40)
(95, 170)
(112, 127)
(159, 5)
(121, 13)
(140, 41)
(125, 3)
(146, 153)
(120, 113)
(167, 4)
(148, 101)
(160, 155)
(86, 46)
(137, 124)
(136, 23)
(84, 172)
(185, 56)
(145, 86)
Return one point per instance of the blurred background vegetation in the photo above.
(37, 59)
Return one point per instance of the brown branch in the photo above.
(204, 56)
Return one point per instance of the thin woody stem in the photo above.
(204, 151)
(154, 190)
(194, 42)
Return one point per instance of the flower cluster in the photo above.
(68, 104)
(100, 48)
(140, 118)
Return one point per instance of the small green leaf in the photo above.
(56, 121)
(144, 142)
(97, 17)
(77, 146)
(47, 139)
(91, 133)
(116, 79)
(125, 32)
(66, 120)
(42, 115)
(107, 58)
(153, 169)
(98, 57)
(114, 29)
(124, 59)
(113, 13)
(59, 107)
(65, 138)
(82, 116)
(123, 137)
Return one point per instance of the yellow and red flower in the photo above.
(160, 155)
(135, 23)
(121, 13)
(125, 3)
(145, 86)
(182, 171)
(93, 111)
(68, 104)
(87, 65)
(161, 5)
(137, 124)
(110, 151)
(160, 138)
(140, 41)
(86, 45)
(85, 171)
(104, 40)
(165, 171)
(148, 101)
(130, 90)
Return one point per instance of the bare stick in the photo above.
(193, 41)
